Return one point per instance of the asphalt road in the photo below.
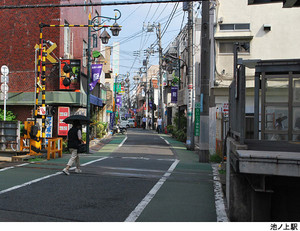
(114, 182)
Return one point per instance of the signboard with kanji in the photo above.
(63, 128)
(225, 109)
(197, 118)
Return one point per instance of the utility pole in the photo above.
(190, 144)
(88, 106)
(161, 108)
(146, 87)
(205, 77)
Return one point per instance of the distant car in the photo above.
(127, 123)
(124, 124)
(131, 123)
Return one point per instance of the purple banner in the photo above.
(174, 93)
(112, 119)
(96, 73)
(150, 104)
(119, 100)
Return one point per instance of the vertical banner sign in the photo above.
(112, 119)
(63, 112)
(117, 87)
(74, 74)
(174, 92)
(49, 127)
(96, 73)
(150, 104)
(190, 100)
(197, 119)
(119, 100)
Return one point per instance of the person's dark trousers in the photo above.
(159, 129)
(144, 125)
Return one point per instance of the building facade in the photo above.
(264, 36)
(19, 39)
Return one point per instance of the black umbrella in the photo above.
(80, 118)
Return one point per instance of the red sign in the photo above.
(63, 128)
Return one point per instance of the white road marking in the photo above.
(20, 165)
(145, 158)
(45, 177)
(142, 205)
(120, 145)
(165, 140)
(220, 206)
(93, 161)
(29, 183)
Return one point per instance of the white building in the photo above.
(272, 32)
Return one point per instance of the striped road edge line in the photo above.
(121, 144)
(45, 177)
(20, 165)
(133, 216)
(219, 201)
(165, 140)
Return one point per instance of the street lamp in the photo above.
(115, 29)
(105, 37)
(97, 25)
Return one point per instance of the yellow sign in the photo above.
(50, 49)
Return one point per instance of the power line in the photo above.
(154, 12)
(170, 19)
(93, 4)
(131, 14)
(161, 12)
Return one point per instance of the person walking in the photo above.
(74, 140)
(144, 120)
(150, 123)
(159, 123)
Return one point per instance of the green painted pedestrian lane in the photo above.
(187, 195)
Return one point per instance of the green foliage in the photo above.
(101, 129)
(215, 158)
(84, 136)
(179, 134)
(65, 146)
(170, 128)
(22, 129)
(183, 121)
(98, 128)
(9, 115)
(222, 171)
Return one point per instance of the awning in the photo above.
(96, 101)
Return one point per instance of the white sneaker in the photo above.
(77, 170)
(65, 171)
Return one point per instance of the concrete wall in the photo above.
(279, 43)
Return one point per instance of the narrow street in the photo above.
(139, 177)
